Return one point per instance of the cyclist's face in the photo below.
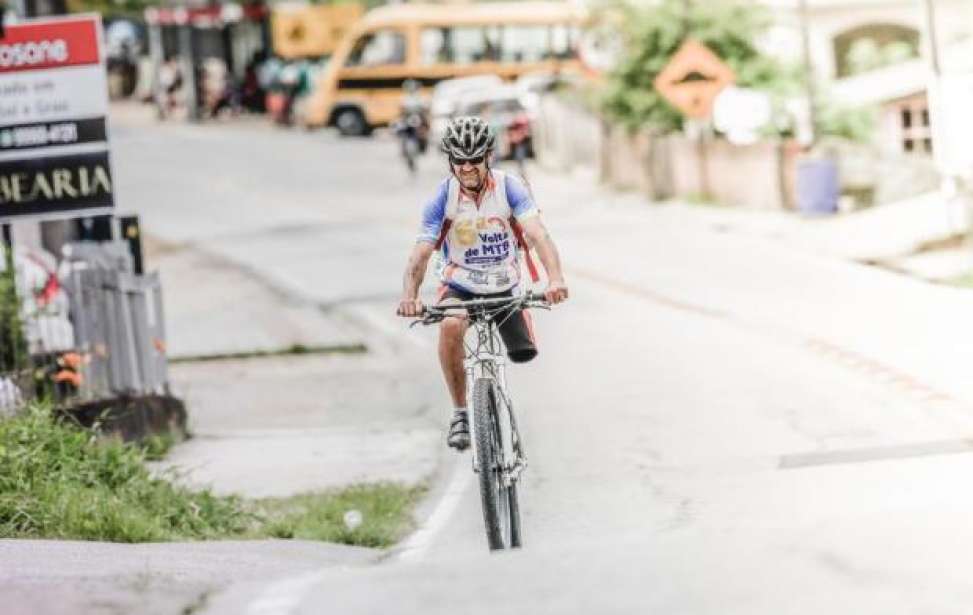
(469, 174)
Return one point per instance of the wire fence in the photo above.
(81, 329)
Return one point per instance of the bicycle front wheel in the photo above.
(501, 512)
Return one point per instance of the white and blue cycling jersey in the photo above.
(479, 242)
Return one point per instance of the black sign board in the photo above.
(52, 134)
(38, 186)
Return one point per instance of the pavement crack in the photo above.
(197, 605)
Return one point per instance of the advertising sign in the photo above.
(311, 31)
(53, 114)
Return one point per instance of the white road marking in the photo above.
(283, 597)
(415, 548)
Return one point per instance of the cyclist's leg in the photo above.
(451, 352)
(517, 331)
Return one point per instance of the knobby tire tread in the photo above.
(484, 408)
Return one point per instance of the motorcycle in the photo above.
(519, 138)
(412, 131)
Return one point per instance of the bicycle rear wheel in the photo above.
(501, 510)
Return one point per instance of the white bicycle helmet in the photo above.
(468, 137)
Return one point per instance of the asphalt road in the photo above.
(716, 423)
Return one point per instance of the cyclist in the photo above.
(478, 218)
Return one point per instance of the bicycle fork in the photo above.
(514, 460)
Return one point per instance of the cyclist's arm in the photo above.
(415, 271)
(540, 240)
(433, 217)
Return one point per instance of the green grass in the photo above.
(157, 446)
(59, 481)
(321, 516)
(701, 198)
(963, 281)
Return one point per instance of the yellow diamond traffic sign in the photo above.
(693, 78)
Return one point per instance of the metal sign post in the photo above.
(690, 82)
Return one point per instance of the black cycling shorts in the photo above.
(517, 331)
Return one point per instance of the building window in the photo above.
(874, 46)
(915, 134)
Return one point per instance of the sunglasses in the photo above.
(461, 161)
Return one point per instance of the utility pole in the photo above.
(697, 128)
(952, 166)
(187, 53)
(937, 114)
(809, 88)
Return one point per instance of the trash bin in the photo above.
(817, 186)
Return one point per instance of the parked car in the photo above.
(448, 93)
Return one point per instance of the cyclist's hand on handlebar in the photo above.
(556, 292)
(410, 308)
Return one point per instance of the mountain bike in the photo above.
(498, 447)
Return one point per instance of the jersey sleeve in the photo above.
(433, 215)
(521, 204)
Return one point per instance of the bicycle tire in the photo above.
(487, 453)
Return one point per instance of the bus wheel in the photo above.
(351, 122)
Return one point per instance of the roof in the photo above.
(478, 13)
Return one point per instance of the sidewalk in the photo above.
(920, 236)
(215, 308)
(326, 415)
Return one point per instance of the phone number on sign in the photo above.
(29, 136)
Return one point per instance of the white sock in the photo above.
(463, 409)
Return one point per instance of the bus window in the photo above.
(432, 46)
(377, 49)
(459, 45)
(468, 45)
(564, 40)
(524, 43)
(493, 43)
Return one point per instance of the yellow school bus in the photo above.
(362, 85)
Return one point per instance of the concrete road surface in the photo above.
(716, 423)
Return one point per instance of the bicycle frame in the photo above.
(485, 359)
(502, 462)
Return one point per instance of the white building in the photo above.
(875, 52)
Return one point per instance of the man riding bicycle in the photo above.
(478, 218)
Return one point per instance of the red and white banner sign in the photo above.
(33, 46)
(53, 114)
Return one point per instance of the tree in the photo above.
(652, 35)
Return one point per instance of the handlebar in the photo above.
(435, 313)
(529, 298)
